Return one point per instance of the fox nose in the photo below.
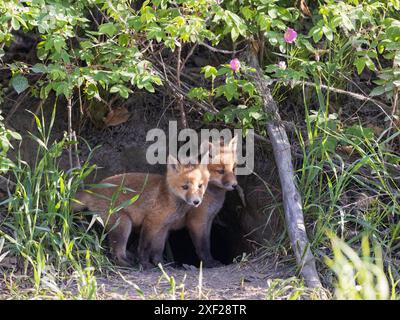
(230, 186)
(195, 201)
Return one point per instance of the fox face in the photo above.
(187, 181)
(222, 165)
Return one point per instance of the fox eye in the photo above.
(221, 171)
(185, 187)
(200, 185)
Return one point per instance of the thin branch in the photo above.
(178, 82)
(220, 50)
(69, 108)
(357, 96)
(16, 106)
(190, 53)
(175, 91)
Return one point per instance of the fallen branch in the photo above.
(291, 197)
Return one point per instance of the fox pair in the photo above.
(188, 195)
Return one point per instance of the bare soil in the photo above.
(235, 281)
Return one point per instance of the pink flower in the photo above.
(290, 35)
(282, 65)
(235, 64)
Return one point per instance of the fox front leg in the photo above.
(158, 245)
(118, 238)
(144, 248)
(200, 232)
(151, 244)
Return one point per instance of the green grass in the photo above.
(350, 194)
(49, 242)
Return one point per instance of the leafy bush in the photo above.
(347, 171)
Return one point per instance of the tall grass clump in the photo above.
(360, 278)
(350, 185)
(40, 230)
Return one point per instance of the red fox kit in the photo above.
(199, 220)
(163, 201)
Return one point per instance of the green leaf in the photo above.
(249, 88)
(370, 64)
(234, 34)
(59, 43)
(157, 80)
(328, 33)
(209, 71)
(15, 24)
(247, 12)
(360, 64)
(39, 68)
(108, 28)
(198, 93)
(377, 91)
(15, 135)
(114, 89)
(126, 203)
(123, 40)
(316, 33)
(347, 23)
(19, 83)
(149, 87)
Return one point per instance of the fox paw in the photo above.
(123, 262)
(146, 265)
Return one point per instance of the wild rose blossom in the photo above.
(290, 35)
(235, 64)
(282, 65)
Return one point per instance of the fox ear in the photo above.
(233, 143)
(173, 164)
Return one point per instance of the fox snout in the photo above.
(229, 181)
(194, 201)
(230, 186)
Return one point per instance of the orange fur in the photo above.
(162, 201)
(199, 220)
